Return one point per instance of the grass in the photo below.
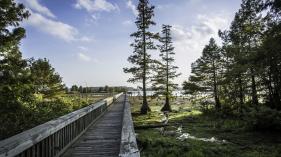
(241, 140)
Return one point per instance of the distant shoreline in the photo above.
(150, 93)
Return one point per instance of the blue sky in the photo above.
(87, 41)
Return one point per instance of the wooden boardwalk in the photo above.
(103, 138)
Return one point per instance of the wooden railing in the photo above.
(128, 146)
(54, 137)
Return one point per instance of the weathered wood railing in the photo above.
(128, 146)
(52, 138)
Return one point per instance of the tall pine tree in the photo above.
(143, 41)
(247, 27)
(205, 78)
(166, 71)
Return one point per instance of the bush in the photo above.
(29, 115)
(263, 118)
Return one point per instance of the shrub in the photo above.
(263, 118)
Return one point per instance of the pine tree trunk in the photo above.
(167, 106)
(270, 89)
(254, 88)
(276, 86)
(241, 96)
(217, 100)
(276, 93)
(144, 108)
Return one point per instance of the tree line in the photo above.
(245, 72)
(105, 89)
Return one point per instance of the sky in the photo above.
(87, 41)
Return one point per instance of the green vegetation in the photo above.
(40, 111)
(241, 139)
(105, 89)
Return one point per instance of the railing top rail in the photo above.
(128, 146)
(28, 138)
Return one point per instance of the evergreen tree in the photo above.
(252, 30)
(106, 89)
(166, 71)
(143, 41)
(16, 89)
(15, 83)
(241, 46)
(46, 81)
(74, 88)
(275, 6)
(270, 56)
(205, 73)
(80, 89)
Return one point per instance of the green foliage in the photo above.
(15, 85)
(74, 88)
(40, 111)
(11, 16)
(46, 81)
(264, 118)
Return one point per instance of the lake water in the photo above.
(150, 93)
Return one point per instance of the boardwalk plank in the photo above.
(102, 139)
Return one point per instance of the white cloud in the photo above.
(194, 1)
(92, 19)
(55, 28)
(36, 6)
(95, 17)
(133, 7)
(95, 5)
(190, 41)
(127, 23)
(84, 57)
(82, 48)
(163, 6)
(196, 36)
(85, 39)
(52, 27)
